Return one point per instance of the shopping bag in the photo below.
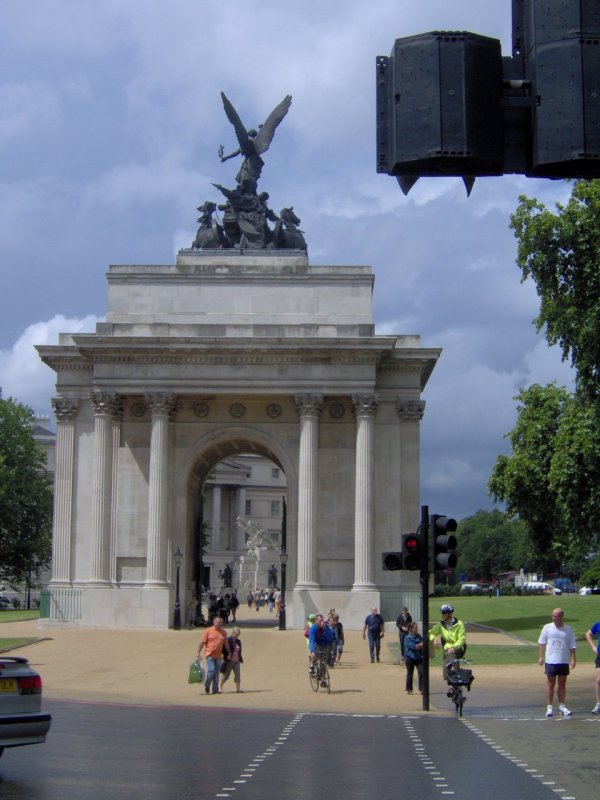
(196, 673)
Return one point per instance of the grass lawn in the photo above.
(524, 617)
(8, 642)
(19, 615)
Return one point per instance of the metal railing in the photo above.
(61, 605)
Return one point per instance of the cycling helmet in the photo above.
(447, 608)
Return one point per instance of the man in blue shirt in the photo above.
(320, 637)
(374, 626)
(589, 635)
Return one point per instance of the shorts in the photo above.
(598, 662)
(552, 670)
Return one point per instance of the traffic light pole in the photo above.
(425, 602)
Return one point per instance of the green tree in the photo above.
(561, 253)
(490, 542)
(25, 496)
(591, 576)
(523, 480)
(552, 478)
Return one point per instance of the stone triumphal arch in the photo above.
(229, 352)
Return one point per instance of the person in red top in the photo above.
(214, 641)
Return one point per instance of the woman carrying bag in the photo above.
(233, 660)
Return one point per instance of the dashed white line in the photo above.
(439, 781)
(517, 762)
(249, 771)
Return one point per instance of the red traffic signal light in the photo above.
(412, 551)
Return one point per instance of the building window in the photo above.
(274, 537)
(248, 507)
(274, 472)
(274, 508)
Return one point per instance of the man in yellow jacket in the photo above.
(450, 634)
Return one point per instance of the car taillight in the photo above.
(32, 684)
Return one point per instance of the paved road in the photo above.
(101, 751)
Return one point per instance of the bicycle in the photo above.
(458, 679)
(319, 672)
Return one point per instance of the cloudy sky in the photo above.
(110, 121)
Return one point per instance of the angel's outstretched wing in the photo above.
(246, 145)
(266, 131)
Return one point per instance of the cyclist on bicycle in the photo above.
(320, 637)
(450, 634)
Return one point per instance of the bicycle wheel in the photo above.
(459, 700)
(314, 678)
(325, 678)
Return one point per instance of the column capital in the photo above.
(109, 403)
(65, 408)
(365, 405)
(164, 404)
(309, 404)
(410, 410)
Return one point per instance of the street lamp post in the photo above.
(284, 557)
(178, 556)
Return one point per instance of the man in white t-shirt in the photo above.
(557, 653)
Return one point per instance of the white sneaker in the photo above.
(596, 709)
(549, 711)
(562, 709)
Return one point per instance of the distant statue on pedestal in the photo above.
(225, 574)
(272, 576)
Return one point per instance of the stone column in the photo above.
(365, 408)
(241, 513)
(162, 407)
(116, 443)
(66, 411)
(215, 523)
(105, 406)
(410, 412)
(309, 409)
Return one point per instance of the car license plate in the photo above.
(8, 685)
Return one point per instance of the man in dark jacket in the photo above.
(374, 625)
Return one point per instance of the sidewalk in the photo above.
(151, 667)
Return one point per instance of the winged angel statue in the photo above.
(246, 214)
(252, 143)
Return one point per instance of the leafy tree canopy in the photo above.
(522, 480)
(551, 479)
(25, 495)
(561, 253)
(490, 542)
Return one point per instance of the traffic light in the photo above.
(413, 551)
(444, 543)
(391, 561)
(449, 103)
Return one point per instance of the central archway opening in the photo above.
(238, 497)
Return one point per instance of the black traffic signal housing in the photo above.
(448, 103)
(413, 551)
(412, 556)
(443, 541)
(391, 561)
